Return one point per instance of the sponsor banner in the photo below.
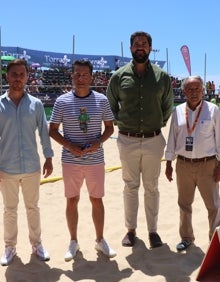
(53, 60)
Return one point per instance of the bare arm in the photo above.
(169, 170)
(108, 131)
(55, 134)
(47, 167)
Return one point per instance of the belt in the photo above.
(205, 159)
(141, 135)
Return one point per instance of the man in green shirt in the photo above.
(141, 98)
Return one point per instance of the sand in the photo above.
(136, 264)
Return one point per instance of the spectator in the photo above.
(213, 88)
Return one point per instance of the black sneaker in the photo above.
(155, 240)
(129, 239)
(183, 245)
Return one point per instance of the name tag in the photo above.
(189, 143)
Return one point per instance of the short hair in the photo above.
(86, 63)
(185, 81)
(141, 33)
(17, 62)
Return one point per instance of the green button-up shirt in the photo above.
(140, 104)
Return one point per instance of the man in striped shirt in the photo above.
(82, 113)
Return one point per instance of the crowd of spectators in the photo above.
(54, 82)
(176, 85)
(58, 81)
(210, 90)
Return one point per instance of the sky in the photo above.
(104, 28)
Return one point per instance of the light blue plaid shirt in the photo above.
(18, 125)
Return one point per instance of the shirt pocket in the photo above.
(205, 127)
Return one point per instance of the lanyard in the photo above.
(190, 130)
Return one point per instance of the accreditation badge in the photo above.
(189, 143)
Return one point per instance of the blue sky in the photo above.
(101, 26)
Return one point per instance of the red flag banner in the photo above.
(186, 57)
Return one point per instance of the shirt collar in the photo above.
(6, 96)
(199, 105)
(148, 66)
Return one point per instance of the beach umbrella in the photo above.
(45, 68)
(7, 58)
(35, 65)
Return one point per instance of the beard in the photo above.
(140, 58)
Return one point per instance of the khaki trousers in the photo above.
(141, 158)
(29, 184)
(200, 175)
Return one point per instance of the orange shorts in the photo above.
(74, 175)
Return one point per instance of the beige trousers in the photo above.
(141, 160)
(190, 176)
(10, 184)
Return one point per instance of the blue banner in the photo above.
(53, 60)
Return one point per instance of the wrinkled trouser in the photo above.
(141, 157)
(29, 184)
(192, 175)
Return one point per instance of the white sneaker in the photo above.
(7, 258)
(72, 250)
(40, 252)
(103, 247)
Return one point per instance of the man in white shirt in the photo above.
(194, 138)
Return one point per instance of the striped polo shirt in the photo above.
(82, 119)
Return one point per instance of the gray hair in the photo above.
(185, 81)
